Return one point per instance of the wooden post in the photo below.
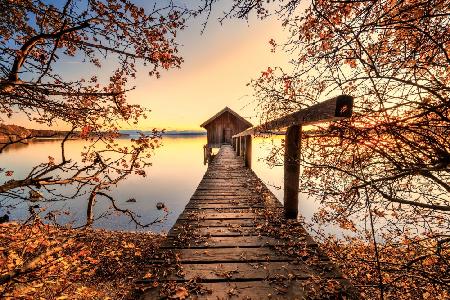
(248, 151)
(291, 170)
(204, 155)
(233, 143)
(238, 146)
(241, 144)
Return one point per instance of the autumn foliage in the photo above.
(412, 268)
(36, 39)
(43, 261)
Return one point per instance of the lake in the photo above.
(177, 168)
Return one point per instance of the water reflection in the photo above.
(177, 168)
(175, 173)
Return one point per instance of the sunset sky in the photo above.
(217, 66)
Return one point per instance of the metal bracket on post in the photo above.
(292, 144)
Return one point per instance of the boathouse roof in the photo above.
(229, 110)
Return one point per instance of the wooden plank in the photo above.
(220, 255)
(215, 230)
(244, 290)
(205, 215)
(223, 174)
(223, 197)
(226, 209)
(224, 242)
(213, 187)
(230, 237)
(221, 205)
(231, 182)
(222, 191)
(242, 271)
(220, 223)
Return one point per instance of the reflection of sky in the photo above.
(217, 67)
(176, 171)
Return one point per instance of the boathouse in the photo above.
(222, 126)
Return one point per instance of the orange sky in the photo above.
(217, 66)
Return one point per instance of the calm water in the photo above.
(177, 168)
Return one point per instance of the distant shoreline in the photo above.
(166, 133)
(199, 134)
(14, 133)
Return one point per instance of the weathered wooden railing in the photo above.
(330, 110)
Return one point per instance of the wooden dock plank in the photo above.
(221, 205)
(245, 290)
(226, 242)
(221, 255)
(245, 271)
(218, 231)
(207, 215)
(242, 271)
(220, 223)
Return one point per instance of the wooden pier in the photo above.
(229, 243)
(235, 240)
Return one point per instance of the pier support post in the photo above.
(238, 146)
(248, 151)
(291, 170)
(241, 146)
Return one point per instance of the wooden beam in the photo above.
(248, 151)
(330, 110)
(291, 170)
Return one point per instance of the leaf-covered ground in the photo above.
(46, 262)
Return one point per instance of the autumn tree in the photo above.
(388, 167)
(115, 35)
